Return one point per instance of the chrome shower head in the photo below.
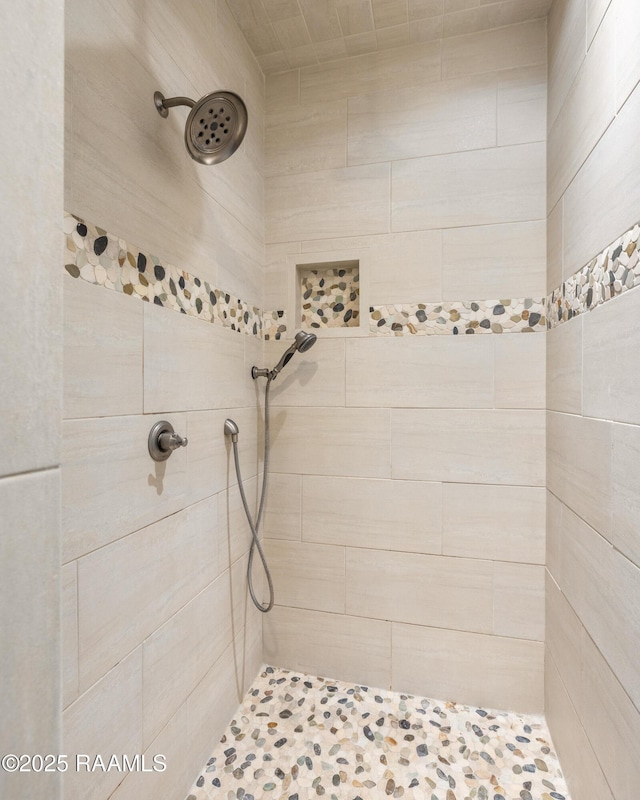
(215, 126)
(303, 341)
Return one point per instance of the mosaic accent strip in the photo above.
(98, 257)
(611, 273)
(330, 297)
(297, 736)
(464, 317)
(274, 324)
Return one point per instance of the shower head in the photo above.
(215, 127)
(303, 341)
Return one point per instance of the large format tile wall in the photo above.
(407, 505)
(593, 447)
(31, 155)
(159, 641)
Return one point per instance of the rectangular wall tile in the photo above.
(567, 48)
(564, 367)
(611, 386)
(452, 191)
(107, 719)
(595, 12)
(579, 466)
(563, 639)
(488, 51)
(505, 523)
(420, 372)
(520, 371)
(337, 441)
(420, 253)
(345, 648)
(625, 495)
(308, 575)
(518, 604)
(445, 592)
(314, 378)
(442, 117)
(320, 205)
(464, 446)
(69, 622)
(491, 261)
(490, 671)
(110, 484)
(102, 351)
(555, 267)
(377, 514)
(283, 513)
(627, 21)
(134, 585)
(522, 108)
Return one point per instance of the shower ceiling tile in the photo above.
(359, 25)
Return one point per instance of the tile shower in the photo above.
(452, 518)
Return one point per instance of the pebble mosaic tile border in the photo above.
(330, 297)
(96, 256)
(296, 737)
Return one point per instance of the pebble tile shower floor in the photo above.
(297, 737)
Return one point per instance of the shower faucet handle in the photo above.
(163, 440)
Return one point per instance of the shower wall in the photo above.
(407, 504)
(159, 641)
(31, 65)
(592, 667)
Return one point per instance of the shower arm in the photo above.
(163, 104)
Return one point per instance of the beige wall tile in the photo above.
(102, 351)
(283, 510)
(345, 648)
(554, 537)
(437, 118)
(579, 763)
(190, 364)
(281, 90)
(611, 386)
(602, 193)
(518, 600)
(505, 523)
(451, 191)
(130, 588)
(522, 108)
(555, 248)
(414, 65)
(579, 466)
(331, 441)
(489, 671)
(110, 484)
(567, 48)
(107, 719)
(464, 446)
(379, 514)
(490, 261)
(563, 640)
(488, 51)
(520, 371)
(406, 587)
(586, 113)
(626, 496)
(604, 589)
(180, 653)
(328, 204)
(314, 378)
(232, 520)
(307, 575)
(306, 138)
(69, 622)
(627, 22)
(564, 367)
(420, 372)
(595, 12)
(415, 256)
(387, 13)
(611, 721)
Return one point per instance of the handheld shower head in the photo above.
(303, 341)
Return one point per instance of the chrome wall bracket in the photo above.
(163, 440)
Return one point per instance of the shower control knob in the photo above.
(163, 440)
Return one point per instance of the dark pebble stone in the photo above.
(342, 286)
(529, 768)
(181, 282)
(335, 780)
(307, 294)
(320, 790)
(487, 758)
(72, 270)
(231, 759)
(511, 746)
(456, 331)
(320, 312)
(227, 298)
(557, 796)
(182, 311)
(157, 301)
(525, 795)
(380, 722)
(470, 330)
(285, 714)
(159, 272)
(589, 296)
(198, 305)
(321, 281)
(485, 323)
(172, 287)
(238, 773)
(338, 307)
(616, 252)
(142, 262)
(441, 774)
(212, 298)
(422, 750)
(308, 762)
(293, 797)
(367, 732)
(341, 760)
(279, 773)
(522, 739)
(405, 724)
(317, 749)
(81, 228)
(348, 315)
(421, 315)
(211, 761)
(527, 728)
(280, 316)
(499, 309)
(200, 781)
(251, 757)
(477, 730)
(327, 714)
(342, 273)
(216, 782)
(353, 297)
(475, 307)
(396, 326)
(413, 783)
(498, 797)
(249, 797)
(255, 328)
(378, 699)
(535, 318)
(230, 751)
(100, 245)
(197, 281)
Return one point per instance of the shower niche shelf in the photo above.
(329, 295)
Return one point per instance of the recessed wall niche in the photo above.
(329, 294)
